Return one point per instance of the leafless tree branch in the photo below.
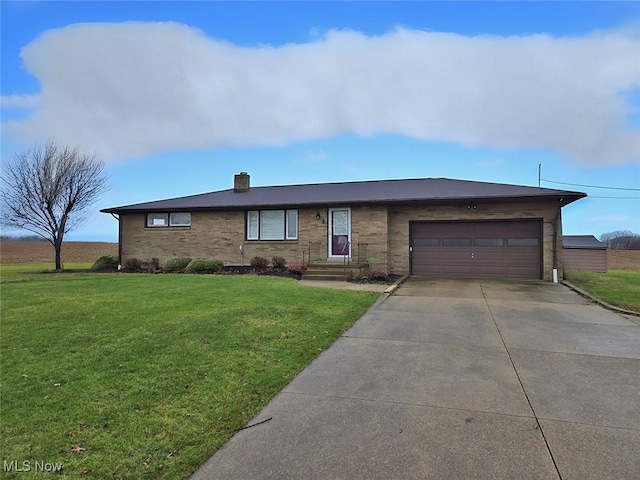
(47, 189)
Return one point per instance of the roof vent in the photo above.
(241, 182)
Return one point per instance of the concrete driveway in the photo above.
(457, 379)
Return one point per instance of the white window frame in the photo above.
(253, 225)
(165, 219)
(291, 220)
(154, 219)
(172, 223)
(256, 220)
(330, 232)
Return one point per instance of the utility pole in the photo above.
(539, 173)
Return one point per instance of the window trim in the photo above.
(150, 220)
(167, 218)
(172, 224)
(254, 232)
(248, 231)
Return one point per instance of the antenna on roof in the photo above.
(539, 173)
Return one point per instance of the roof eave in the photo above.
(563, 199)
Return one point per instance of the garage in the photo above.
(496, 249)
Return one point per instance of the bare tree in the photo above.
(621, 240)
(605, 237)
(47, 189)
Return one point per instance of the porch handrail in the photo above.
(307, 250)
(346, 257)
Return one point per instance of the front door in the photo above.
(339, 232)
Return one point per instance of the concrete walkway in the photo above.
(454, 379)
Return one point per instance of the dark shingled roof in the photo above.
(582, 241)
(411, 191)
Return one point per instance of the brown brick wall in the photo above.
(384, 230)
(399, 218)
(216, 235)
(369, 227)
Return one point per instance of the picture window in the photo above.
(272, 225)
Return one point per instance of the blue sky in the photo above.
(176, 97)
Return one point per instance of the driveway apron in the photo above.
(457, 379)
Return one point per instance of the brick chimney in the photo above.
(241, 182)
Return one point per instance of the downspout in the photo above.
(557, 226)
(119, 239)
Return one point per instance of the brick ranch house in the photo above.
(427, 226)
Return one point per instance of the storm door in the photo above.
(339, 232)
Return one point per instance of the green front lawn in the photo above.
(145, 376)
(11, 272)
(617, 287)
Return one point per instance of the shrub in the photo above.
(296, 269)
(278, 262)
(204, 266)
(152, 266)
(378, 275)
(132, 265)
(106, 263)
(259, 264)
(177, 265)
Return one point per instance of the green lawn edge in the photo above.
(146, 376)
(619, 288)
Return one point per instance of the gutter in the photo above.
(330, 202)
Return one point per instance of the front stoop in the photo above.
(334, 271)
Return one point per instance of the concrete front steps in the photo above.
(334, 271)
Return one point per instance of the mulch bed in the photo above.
(283, 272)
(388, 280)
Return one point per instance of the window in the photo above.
(522, 242)
(456, 242)
(252, 226)
(180, 219)
(426, 242)
(157, 219)
(177, 219)
(292, 224)
(488, 242)
(272, 225)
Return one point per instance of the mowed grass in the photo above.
(617, 287)
(12, 272)
(145, 376)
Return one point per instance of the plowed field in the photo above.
(623, 259)
(76, 252)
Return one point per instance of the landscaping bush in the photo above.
(106, 263)
(278, 262)
(150, 266)
(297, 270)
(259, 264)
(204, 266)
(378, 275)
(132, 265)
(177, 265)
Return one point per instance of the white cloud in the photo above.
(20, 101)
(133, 89)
